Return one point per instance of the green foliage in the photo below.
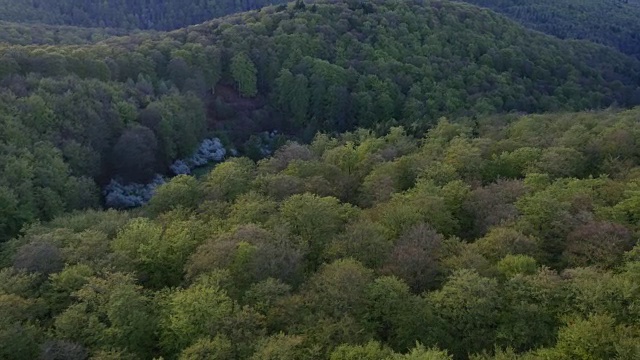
(422, 353)
(597, 337)
(230, 179)
(610, 22)
(219, 348)
(395, 234)
(517, 264)
(182, 191)
(219, 267)
(244, 73)
(109, 313)
(315, 220)
(158, 252)
(192, 313)
(371, 351)
(156, 15)
(127, 107)
(20, 342)
(469, 306)
(282, 347)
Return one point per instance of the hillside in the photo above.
(75, 116)
(329, 180)
(609, 22)
(515, 234)
(129, 14)
(41, 34)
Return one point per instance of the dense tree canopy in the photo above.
(74, 116)
(136, 14)
(41, 34)
(609, 22)
(512, 261)
(415, 179)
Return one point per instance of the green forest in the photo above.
(76, 116)
(39, 34)
(609, 22)
(331, 179)
(125, 14)
(501, 240)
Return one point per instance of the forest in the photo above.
(124, 14)
(75, 117)
(331, 179)
(513, 237)
(41, 34)
(609, 22)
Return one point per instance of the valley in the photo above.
(330, 179)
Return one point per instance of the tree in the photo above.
(284, 156)
(20, 342)
(65, 283)
(364, 241)
(315, 220)
(179, 71)
(20, 283)
(512, 265)
(244, 73)
(252, 208)
(159, 252)
(370, 351)
(81, 193)
(339, 289)
(111, 312)
(229, 179)
(191, 314)
(470, 307)
(40, 257)
(11, 218)
(220, 348)
(597, 243)
(561, 162)
(251, 254)
(493, 205)
(534, 302)
(415, 258)
(398, 317)
(182, 191)
(596, 337)
(598, 291)
(502, 241)
(421, 204)
(262, 296)
(299, 101)
(282, 347)
(134, 154)
(244, 328)
(60, 349)
(421, 353)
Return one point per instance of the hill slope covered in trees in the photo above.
(41, 34)
(129, 14)
(609, 22)
(128, 107)
(517, 235)
(387, 198)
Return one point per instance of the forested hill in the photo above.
(406, 180)
(125, 14)
(42, 34)
(611, 22)
(128, 107)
